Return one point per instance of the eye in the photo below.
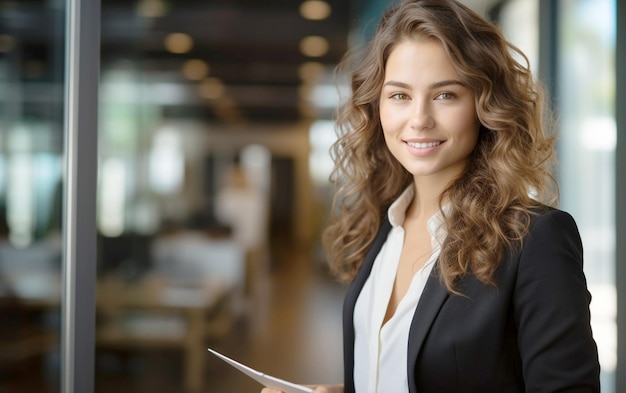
(399, 96)
(445, 96)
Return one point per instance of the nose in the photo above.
(422, 118)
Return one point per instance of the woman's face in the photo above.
(427, 114)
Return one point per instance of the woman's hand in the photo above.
(318, 389)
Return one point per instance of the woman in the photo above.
(463, 279)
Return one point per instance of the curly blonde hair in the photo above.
(510, 170)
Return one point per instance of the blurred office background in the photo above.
(215, 119)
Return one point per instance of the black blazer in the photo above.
(530, 334)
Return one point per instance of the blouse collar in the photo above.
(397, 213)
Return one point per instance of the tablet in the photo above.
(264, 379)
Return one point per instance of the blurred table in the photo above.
(152, 312)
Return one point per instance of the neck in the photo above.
(427, 197)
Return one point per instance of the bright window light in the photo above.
(167, 163)
(322, 136)
(112, 198)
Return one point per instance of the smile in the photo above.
(423, 145)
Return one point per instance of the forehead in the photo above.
(420, 57)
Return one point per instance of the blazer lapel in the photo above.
(350, 301)
(366, 267)
(428, 307)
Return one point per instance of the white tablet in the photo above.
(264, 379)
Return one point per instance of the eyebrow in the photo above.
(436, 85)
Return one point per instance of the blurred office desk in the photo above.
(153, 312)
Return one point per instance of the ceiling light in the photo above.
(211, 88)
(315, 10)
(314, 46)
(178, 42)
(311, 71)
(195, 69)
(151, 8)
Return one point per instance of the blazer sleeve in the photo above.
(551, 306)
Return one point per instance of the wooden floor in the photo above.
(295, 334)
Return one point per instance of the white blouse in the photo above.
(380, 351)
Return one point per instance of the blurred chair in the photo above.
(193, 258)
(190, 293)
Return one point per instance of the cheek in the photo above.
(388, 121)
(472, 128)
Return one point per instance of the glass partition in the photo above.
(587, 139)
(31, 158)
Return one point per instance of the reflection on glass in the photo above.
(587, 153)
(31, 155)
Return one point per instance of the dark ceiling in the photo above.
(252, 46)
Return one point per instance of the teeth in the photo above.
(423, 145)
